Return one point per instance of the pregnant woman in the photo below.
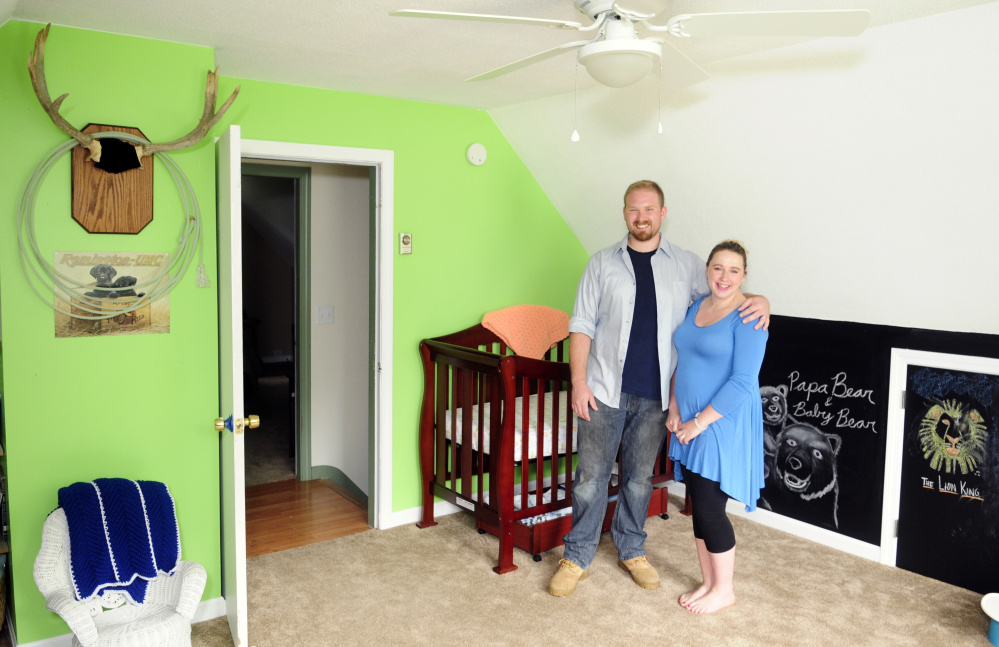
(717, 417)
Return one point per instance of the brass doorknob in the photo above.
(237, 425)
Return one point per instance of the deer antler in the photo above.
(36, 68)
(208, 119)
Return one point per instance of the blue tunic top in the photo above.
(720, 365)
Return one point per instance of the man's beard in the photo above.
(645, 235)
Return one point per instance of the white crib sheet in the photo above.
(532, 449)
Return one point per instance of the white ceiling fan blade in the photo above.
(678, 70)
(772, 23)
(449, 15)
(529, 60)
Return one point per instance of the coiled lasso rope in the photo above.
(48, 277)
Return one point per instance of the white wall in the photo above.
(858, 172)
(340, 251)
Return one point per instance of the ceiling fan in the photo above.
(617, 56)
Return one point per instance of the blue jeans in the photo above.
(638, 428)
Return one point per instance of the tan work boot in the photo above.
(642, 572)
(565, 578)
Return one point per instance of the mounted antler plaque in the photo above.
(111, 203)
(112, 191)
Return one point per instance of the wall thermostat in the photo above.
(476, 154)
(405, 243)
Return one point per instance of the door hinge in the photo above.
(903, 399)
(896, 529)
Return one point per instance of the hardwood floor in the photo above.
(292, 513)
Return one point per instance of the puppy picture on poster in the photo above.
(115, 293)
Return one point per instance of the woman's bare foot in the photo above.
(690, 596)
(711, 602)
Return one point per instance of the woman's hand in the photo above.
(687, 432)
(672, 420)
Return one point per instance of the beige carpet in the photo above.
(407, 586)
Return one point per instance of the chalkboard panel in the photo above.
(948, 526)
(833, 377)
(824, 391)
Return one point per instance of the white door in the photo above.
(231, 383)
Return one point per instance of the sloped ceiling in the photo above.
(357, 47)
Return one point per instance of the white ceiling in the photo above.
(357, 47)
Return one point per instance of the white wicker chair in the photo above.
(164, 620)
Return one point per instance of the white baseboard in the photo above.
(413, 515)
(207, 610)
(797, 528)
(764, 517)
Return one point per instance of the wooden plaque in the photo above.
(111, 203)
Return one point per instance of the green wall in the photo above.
(484, 237)
(142, 406)
(137, 406)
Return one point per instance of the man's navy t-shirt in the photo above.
(641, 367)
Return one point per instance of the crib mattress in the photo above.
(518, 444)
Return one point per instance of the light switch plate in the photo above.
(324, 314)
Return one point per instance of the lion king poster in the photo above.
(948, 526)
(115, 293)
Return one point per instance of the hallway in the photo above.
(282, 512)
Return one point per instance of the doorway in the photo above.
(308, 247)
(273, 202)
(233, 151)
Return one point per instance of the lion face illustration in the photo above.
(952, 434)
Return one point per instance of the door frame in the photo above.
(382, 163)
(901, 359)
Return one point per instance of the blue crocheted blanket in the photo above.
(122, 534)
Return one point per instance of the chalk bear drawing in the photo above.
(774, 399)
(804, 476)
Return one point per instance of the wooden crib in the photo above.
(471, 441)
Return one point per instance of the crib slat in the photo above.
(440, 469)
(467, 396)
(455, 405)
(525, 440)
(480, 462)
(539, 460)
(570, 439)
(494, 446)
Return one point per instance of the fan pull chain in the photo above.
(660, 95)
(575, 88)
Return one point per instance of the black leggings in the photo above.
(710, 521)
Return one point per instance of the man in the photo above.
(631, 298)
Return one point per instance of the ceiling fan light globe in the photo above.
(619, 63)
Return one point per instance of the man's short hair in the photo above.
(643, 185)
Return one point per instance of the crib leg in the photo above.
(688, 507)
(505, 564)
(537, 558)
(428, 509)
